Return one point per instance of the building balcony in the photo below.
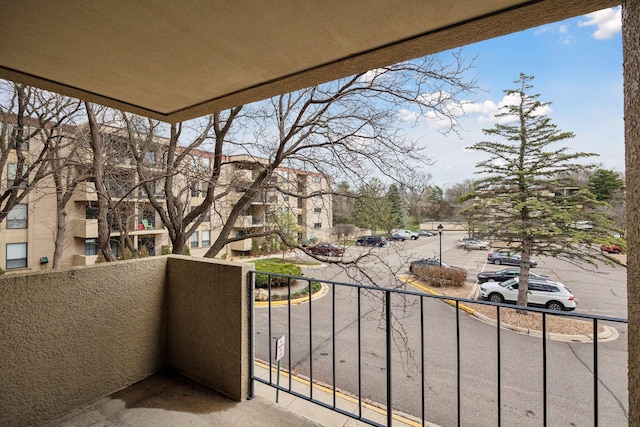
(85, 228)
(85, 192)
(83, 260)
(245, 221)
(241, 245)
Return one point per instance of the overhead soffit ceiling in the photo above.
(176, 60)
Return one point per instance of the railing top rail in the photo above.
(443, 297)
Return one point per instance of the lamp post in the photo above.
(440, 228)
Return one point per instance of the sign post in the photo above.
(279, 355)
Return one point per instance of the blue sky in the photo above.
(577, 65)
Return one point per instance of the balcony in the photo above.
(85, 192)
(85, 228)
(241, 245)
(83, 260)
(147, 333)
(243, 221)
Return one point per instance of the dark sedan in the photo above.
(505, 274)
(326, 249)
(507, 258)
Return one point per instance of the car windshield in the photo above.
(508, 283)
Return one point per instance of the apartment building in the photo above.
(27, 235)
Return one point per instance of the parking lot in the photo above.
(599, 289)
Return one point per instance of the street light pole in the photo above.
(440, 228)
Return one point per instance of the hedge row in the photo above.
(440, 277)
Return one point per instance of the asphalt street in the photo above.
(348, 327)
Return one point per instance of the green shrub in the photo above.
(166, 250)
(186, 250)
(440, 277)
(267, 266)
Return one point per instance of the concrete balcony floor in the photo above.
(169, 399)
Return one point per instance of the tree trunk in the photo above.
(104, 231)
(61, 230)
(523, 282)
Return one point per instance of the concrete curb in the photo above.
(323, 291)
(609, 333)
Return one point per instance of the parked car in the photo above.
(542, 293)
(507, 258)
(427, 233)
(611, 249)
(406, 234)
(506, 274)
(371, 241)
(474, 244)
(398, 236)
(326, 249)
(432, 262)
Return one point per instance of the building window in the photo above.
(91, 247)
(17, 217)
(206, 238)
(115, 246)
(194, 189)
(316, 179)
(317, 210)
(16, 255)
(207, 216)
(194, 240)
(317, 225)
(149, 158)
(206, 164)
(299, 219)
(91, 211)
(11, 174)
(285, 197)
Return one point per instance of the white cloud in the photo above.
(437, 120)
(405, 115)
(608, 22)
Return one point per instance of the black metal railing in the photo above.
(304, 322)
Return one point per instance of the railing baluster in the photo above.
(389, 346)
(289, 331)
(499, 366)
(270, 337)
(459, 391)
(359, 357)
(252, 333)
(544, 369)
(310, 342)
(333, 340)
(595, 372)
(422, 387)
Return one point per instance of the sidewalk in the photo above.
(327, 417)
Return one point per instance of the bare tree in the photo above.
(32, 122)
(349, 128)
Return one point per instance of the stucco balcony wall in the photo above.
(72, 336)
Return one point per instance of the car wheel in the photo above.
(497, 262)
(414, 238)
(554, 305)
(496, 298)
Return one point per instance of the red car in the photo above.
(326, 249)
(611, 249)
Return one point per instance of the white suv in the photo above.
(405, 234)
(543, 293)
